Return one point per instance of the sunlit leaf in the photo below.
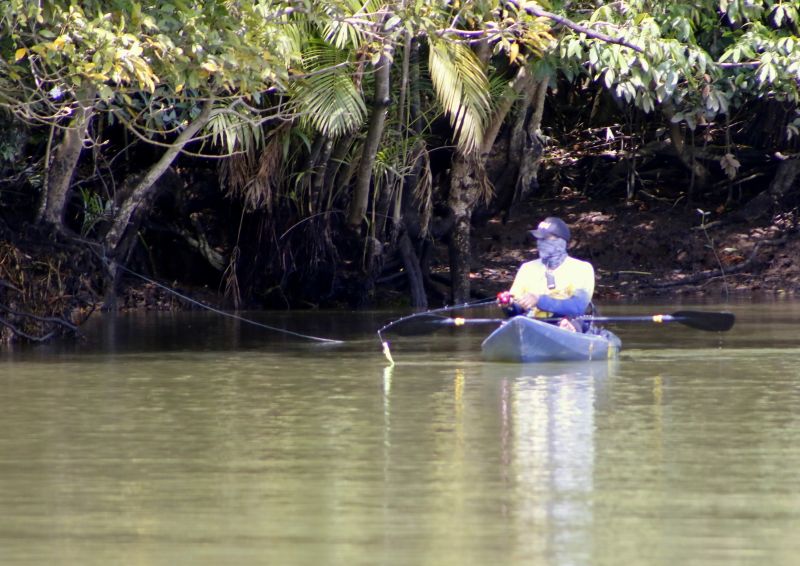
(462, 89)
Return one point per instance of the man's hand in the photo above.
(527, 301)
(566, 324)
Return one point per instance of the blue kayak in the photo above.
(523, 339)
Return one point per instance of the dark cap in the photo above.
(551, 226)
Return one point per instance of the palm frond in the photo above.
(331, 103)
(327, 98)
(348, 24)
(252, 175)
(462, 89)
(289, 39)
(234, 131)
(499, 89)
(423, 192)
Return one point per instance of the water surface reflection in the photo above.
(185, 440)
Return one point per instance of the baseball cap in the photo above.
(551, 226)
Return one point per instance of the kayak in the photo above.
(523, 339)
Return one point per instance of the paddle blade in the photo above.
(710, 321)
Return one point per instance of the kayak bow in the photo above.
(523, 339)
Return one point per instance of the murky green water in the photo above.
(195, 440)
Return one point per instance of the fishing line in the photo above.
(228, 314)
(385, 343)
(218, 311)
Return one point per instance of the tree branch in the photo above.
(569, 24)
(46, 319)
(25, 335)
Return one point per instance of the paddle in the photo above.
(700, 320)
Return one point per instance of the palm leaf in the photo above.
(499, 89)
(327, 98)
(331, 103)
(345, 33)
(462, 89)
(423, 192)
(234, 131)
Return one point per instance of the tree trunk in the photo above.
(317, 197)
(62, 166)
(468, 182)
(333, 176)
(768, 201)
(525, 150)
(142, 191)
(358, 206)
(123, 227)
(465, 189)
(411, 264)
(521, 84)
(700, 174)
(415, 98)
(532, 150)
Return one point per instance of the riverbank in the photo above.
(647, 250)
(640, 251)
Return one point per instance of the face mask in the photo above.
(552, 252)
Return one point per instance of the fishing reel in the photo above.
(504, 299)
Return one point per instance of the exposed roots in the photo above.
(42, 295)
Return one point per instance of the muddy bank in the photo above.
(47, 287)
(644, 251)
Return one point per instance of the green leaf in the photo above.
(330, 102)
(391, 23)
(778, 15)
(609, 78)
(462, 88)
(105, 92)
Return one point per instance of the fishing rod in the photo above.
(428, 313)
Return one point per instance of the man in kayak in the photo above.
(555, 284)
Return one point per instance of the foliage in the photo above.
(292, 81)
(696, 59)
(150, 65)
(95, 210)
(328, 98)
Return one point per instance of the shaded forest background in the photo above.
(410, 178)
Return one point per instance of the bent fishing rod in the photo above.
(429, 313)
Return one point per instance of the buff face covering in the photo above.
(552, 252)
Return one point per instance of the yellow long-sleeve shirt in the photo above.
(574, 286)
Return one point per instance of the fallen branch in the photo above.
(25, 335)
(45, 319)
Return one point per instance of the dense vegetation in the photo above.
(296, 152)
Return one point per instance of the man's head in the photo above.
(551, 227)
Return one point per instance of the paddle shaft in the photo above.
(700, 320)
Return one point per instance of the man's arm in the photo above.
(575, 305)
(582, 276)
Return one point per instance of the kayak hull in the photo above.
(523, 339)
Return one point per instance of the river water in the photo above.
(196, 439)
